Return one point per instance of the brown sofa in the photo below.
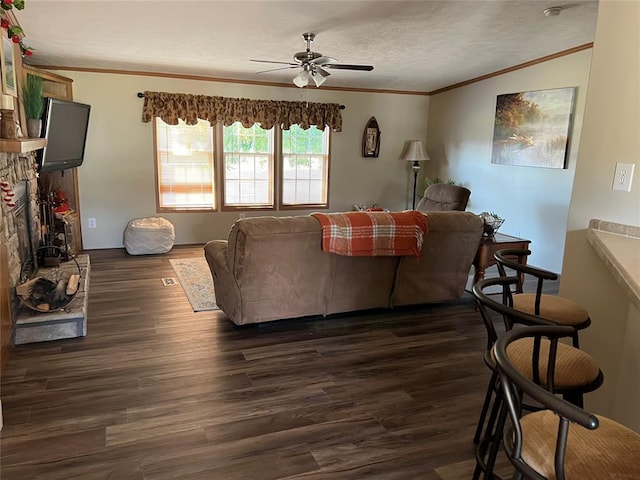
(273, 268)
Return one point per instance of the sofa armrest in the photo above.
(215, 252)
(228, 297)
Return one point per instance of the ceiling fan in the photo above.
(314, 65)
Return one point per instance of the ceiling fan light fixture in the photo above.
(318, 79)
(302, 79)
(319, 70)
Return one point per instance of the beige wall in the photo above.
(610, 134)
(534, 201)
(116, 181)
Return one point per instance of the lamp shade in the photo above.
(302, 79)
(318, 79)
(413, 151)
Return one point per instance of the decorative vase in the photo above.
(492, 222)
(34, 127)
(7, 124)
(490, 228)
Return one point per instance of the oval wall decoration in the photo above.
(371, 139)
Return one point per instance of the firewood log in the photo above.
(72, 286)
(26, 288)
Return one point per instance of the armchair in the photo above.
(442, 196)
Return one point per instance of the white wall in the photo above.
(611, 133)
(116, 181)
(534, 201)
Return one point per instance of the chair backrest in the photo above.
(511, 258)
(442, 196)
(514, 385)
(510, 316)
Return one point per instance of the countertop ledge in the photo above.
(618, 246)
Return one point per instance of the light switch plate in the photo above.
(623, 176)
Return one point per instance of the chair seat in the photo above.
(574, 368)
(610, 451)
(557, 309)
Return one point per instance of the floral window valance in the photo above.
(173, 106)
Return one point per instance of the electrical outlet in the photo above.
(623, 176)
(91, 222)
(242, 215)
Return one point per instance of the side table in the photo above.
(489, 246)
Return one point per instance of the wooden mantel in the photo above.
(22, 145)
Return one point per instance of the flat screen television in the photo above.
(65, 126)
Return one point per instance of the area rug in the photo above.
(195, 277)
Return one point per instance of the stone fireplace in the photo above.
(27, 239)
(20, 223)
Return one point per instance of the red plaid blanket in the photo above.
(372, 233)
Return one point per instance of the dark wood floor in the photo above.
(158, 392)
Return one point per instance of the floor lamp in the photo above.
(414, 151)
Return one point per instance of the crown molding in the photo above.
(520, 66)
(205, 78)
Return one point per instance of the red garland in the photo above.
(14, 31)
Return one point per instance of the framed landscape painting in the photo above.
(532, 128)
(7, 63)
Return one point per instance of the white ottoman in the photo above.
(151, 235)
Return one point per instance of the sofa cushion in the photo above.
(279, 267)
(360, 283)
(441, 271)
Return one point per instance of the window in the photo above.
(185, 167)
(305, 166)
(260, 169)
(248, 166)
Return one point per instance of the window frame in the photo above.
(219, 147)
(280, 179)
(160, 209)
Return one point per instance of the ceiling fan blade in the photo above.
(345, 66)
(321, 71)
(274, 61)
(279, 68)
(323, 60)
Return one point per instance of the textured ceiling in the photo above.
(414, 45)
